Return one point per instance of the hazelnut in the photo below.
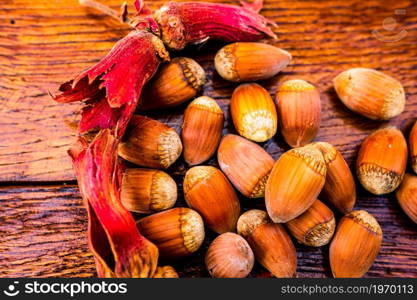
(294, 183)
(150, 143)
(270, 242)
(207, 190)
(229, 256)
(147, 191)
(370, 93)
(382, 160)
(241, 62)
(201, 130)
(253, 112)
(246, 164)
(355, 245)
(299, 109)
(175, 82)
(176, 232)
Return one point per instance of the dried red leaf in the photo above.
(186, 23)
(118, 247)
(142, 8)
(84, 90)
(98, 114)
(121, 74)
(144, 19)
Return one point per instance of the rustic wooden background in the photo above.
(44, 42)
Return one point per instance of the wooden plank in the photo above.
(41, 45)
(44, 43)
(44, 235)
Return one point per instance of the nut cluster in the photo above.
(290, 184)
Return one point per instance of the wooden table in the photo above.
(45, 42)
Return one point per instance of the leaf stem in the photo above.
(120, 16)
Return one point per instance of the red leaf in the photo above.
(98, 114)
(121, 73)
(118, 247)
(183, 23)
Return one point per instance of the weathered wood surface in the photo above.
(45, 42)
(43, 233)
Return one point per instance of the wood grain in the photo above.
(44, 235)
(46, 42)
(43, 44)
